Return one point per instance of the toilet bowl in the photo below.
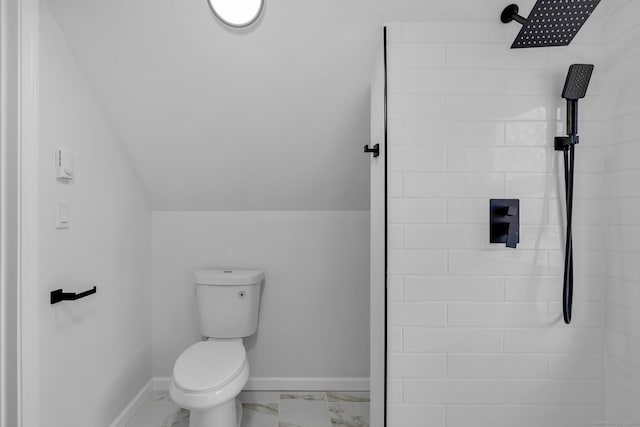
(207, 378)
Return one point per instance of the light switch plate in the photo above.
(63, 214)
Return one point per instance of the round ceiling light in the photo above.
(237, 13)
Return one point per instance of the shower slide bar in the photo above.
(58, 295)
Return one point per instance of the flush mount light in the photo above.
(237, 13)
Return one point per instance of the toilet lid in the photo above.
(208, 365)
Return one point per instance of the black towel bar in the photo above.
(58, 295)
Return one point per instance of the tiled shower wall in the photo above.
(476, 336)
(622, 33)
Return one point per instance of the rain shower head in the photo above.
(550, 23)
(578, 77)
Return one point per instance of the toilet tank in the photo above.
(228, 302)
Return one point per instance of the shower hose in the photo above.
(567, 291)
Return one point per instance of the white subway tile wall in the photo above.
(622, 158)
(476, 336)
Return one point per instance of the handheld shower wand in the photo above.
(575, 88)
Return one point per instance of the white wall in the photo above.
(315, 301)
(475, 330)
(180, 89)
(217, 120)
(622, 32)
(96, 352)
(9, 210)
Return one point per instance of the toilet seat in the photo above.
(209, 365)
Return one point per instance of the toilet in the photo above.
(208, 376)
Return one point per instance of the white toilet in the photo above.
(209, 375)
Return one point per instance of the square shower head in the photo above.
(554, 23)
(577, 82)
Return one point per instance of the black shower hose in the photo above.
(567, 291)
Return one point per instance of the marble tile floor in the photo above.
(268, 409)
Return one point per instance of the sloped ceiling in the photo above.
(271, 118)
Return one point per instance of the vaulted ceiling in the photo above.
(270, 118)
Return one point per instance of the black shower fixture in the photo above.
(550, 23)
(575, 88)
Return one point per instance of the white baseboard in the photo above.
(133, 406)
(290, 384)
(307, 384)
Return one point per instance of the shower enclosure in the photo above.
(475, 331)
(378, 242)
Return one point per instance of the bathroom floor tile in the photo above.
(159, 396)
(159, 414)
(349, 414)
(304, 410)
(268, 409)
(259, 415)
(351, 396)
(177, 419)
(260, 408)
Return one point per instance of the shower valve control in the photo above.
(504, 221)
